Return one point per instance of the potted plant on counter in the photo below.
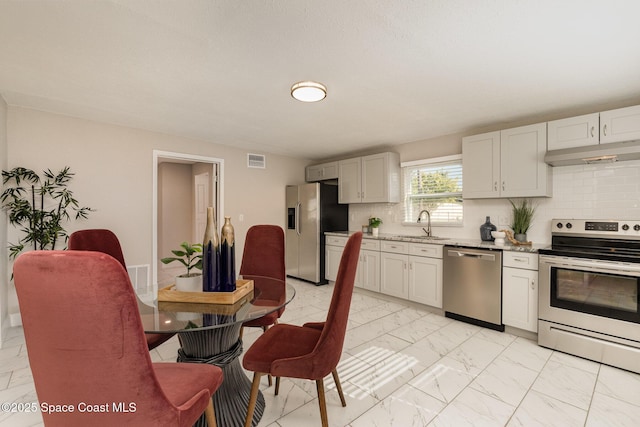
(374, 223)
(522, 215)
(191, 257)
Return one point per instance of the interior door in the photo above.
(202, 199)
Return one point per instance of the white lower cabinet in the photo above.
(394, 274)
(334, 246)
(411, 271)
(368, 272)
(425, 280)
(520, 290)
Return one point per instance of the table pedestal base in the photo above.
(222, 347)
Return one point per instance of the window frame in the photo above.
(431, 162)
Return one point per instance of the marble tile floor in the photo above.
(405, 366)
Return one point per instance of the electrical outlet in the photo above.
(504, 220)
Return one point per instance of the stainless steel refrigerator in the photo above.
(312, 210)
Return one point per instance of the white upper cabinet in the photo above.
(508, 163)
(369, 179)
(322, 171)
(620, 125)
(605, 127)
(574, 132)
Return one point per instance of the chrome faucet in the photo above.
(428, 230)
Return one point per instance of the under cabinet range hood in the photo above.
(594, 154)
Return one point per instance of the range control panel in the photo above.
(617, 228)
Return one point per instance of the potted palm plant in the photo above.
(522, 215)
(191, 257)
(39, 207)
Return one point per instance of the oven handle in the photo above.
(594, 265)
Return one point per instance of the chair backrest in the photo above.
(329, 347)
(264, 252)
(99, 240)
(85, 339)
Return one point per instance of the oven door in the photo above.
(593, 295)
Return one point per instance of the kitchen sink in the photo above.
(420, 237)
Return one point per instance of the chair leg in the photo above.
(277, 385)
(322, 403)
(210, 414)
(338, 386)
(255, 386)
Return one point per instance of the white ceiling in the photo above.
(397, 71)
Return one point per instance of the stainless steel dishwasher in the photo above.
(472, 286)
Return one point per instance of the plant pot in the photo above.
(374, 231)
(192, 283)
(520, 237)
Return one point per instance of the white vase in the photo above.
(374, 231)
(191, 283)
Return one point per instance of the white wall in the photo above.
(4, 278)
(113, 166)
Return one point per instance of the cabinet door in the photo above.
(481, 166)
(375, 179)
(523, 171)
(520, 298)
(332, 261)
(371, 270)
(394, 274)
(573, 132)
(349, 180)
(313, 173)
(425, 280)
(620, 125)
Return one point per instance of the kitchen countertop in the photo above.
(469, 243)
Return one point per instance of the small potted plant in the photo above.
(374, 223)
(522, 215)
(191, 257)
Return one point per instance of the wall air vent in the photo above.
(256, 161)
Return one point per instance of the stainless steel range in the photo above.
(588, 298)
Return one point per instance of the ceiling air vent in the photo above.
(256, 161)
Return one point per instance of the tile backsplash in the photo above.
(605, 191)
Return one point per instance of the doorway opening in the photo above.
(184, 185)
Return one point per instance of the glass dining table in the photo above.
(210, 333)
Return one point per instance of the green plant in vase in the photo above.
(191, 257)
(522, 216)
(374, 224)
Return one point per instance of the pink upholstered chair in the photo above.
(264, 256)
(67, 300)
(311, 351)
(107, 242)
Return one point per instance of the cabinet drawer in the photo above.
(423, 249)
(525, 260)
(370, 244)
(336, 240)
(394, 247)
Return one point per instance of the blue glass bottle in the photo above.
(227, 257)
(210, 256)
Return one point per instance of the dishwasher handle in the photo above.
(459, 253)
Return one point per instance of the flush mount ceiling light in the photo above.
(308, 91)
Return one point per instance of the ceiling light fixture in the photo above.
(308, 91)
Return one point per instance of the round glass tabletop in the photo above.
(268, 295)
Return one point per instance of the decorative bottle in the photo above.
(227, 257)
(211, 256)
(486, 229)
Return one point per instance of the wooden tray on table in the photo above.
(170, 299)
